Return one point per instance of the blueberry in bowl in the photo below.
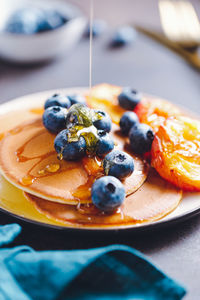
(107, 193)
(57, 100)
(52, 19)
(118, 164)
(54, 118)
(39, 32)
(32, 20)
(68, 150)
(24, 21)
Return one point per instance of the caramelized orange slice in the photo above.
(104, 97)
(154, 111)
(176, 152)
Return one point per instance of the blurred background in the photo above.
(144, 64)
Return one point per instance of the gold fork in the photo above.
(180, 22)
(181, 29)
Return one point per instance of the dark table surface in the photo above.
(148, 67)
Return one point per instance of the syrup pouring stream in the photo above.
(91, 40)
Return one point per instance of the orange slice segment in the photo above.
(154, 111)
(176, 152)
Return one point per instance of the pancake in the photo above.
(28, 160)
(155, 199)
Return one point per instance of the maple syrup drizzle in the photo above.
(27, 180)
(2, 135)
(20, 150)
(49, 169)
(89, 214)
(26, 125)
(37, 110)
(52, 168)
(84, 191)
(120, 211)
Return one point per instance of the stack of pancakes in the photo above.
(59, 192)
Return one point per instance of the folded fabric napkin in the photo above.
(113, 272)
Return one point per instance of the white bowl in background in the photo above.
(40, 47)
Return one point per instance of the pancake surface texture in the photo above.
(155, 199)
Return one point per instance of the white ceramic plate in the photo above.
(189, 206)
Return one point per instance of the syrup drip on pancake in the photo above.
(37, 111)
(1, 136)
(28, 179)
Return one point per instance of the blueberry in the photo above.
(79, 114)
(123, 36)
(23, 21)
(57, 100)
(103, 121)
(54, 118)
(98, 28)
(31, 20)
(129, 98)
(141, 138)
(74, 99)
(128, 120)
(118, 164)
(69, 150)
(108, 193)
(51, 20)
(105, 143)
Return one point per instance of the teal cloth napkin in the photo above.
(108, 273)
